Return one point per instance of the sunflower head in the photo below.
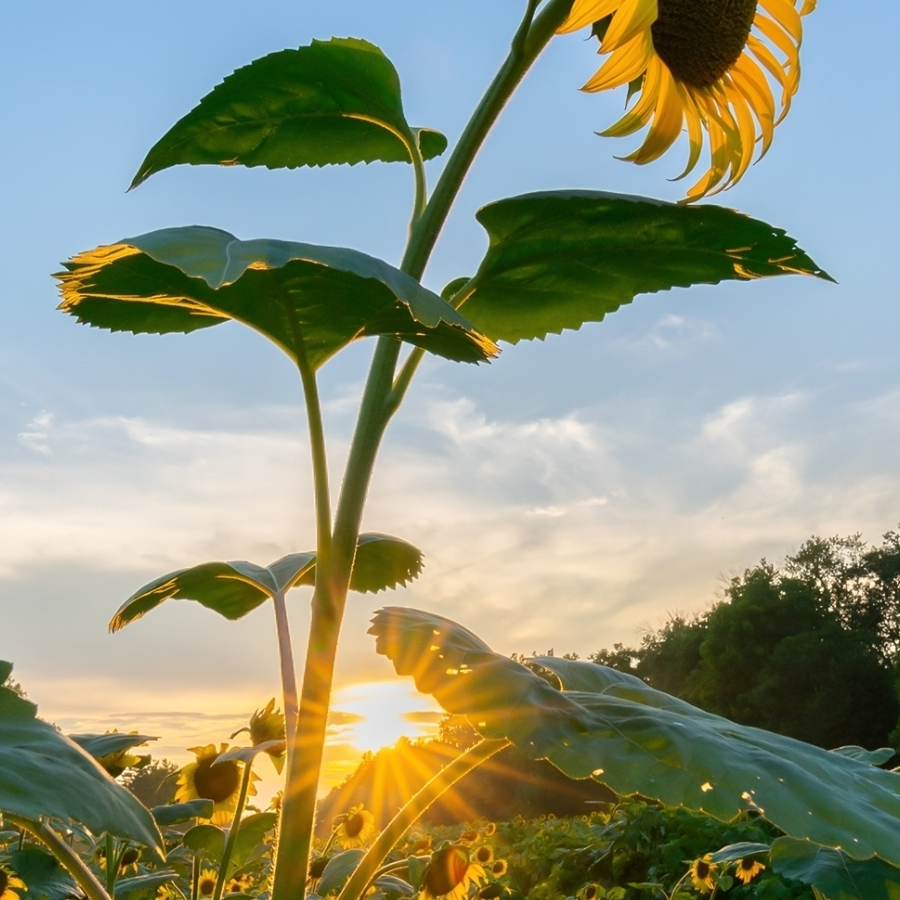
(483, 855)
(10, 885)
(499, 868)
(130, 859)
(317, 867)
(708, 66)
(588, 892)
(490, 829)
(451, 873)
(355, 827)
(703, 873)
(206, 884)
(747, 869)
(208, 779)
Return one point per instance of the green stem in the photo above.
(521, 57)
(333, 571)
(288, 672)
(316, 433)
(400, 824)
(233, 832)
(196, 865)
(112, 861)
(70, 860)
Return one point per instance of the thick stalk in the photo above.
(333, 574)
(195, 878)
(233, 832)
(70, 860)
(400, 824)
(112, 861)
(288, 672)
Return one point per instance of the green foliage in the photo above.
(234, 589)
(612, 726)
(42, 873)
(310, 301)
(44, 774)
(558, 259)
(334, 101)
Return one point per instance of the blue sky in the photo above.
(566, 495)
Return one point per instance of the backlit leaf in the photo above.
(99, 745)
(562, 258)
(42, 873)
(44, 774)
(206, 839)
(338, 870)
(236, 588)
(613, 727)
(334, 101)
(179, 813)
(143, 884)
(183, 279)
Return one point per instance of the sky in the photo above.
(567, 496)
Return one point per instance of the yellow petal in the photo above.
(638, 116)
(666, 125)
(695, 122)
(783, 12)
(586, 12)
(750, 81)
(632, 17)
(624, 65)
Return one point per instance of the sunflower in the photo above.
(210, 780)
(708, 65)
(267, 725)
(747, 869)
(702, 874)
(206, 883)
(499, 868)
(483, 855)
(588, 892)
(356, 827)
(9, 884)
(451, 873)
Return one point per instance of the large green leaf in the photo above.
(833, 873)
(559, 259)
(182, 279)
(613, 727)
(334, 101)
(234, 589)
(43, 773)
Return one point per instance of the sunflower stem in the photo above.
(233, 832)
(195, 877)
(336, 553)
(398, 826)
(288, 672)
(111, 864)
(69, 859)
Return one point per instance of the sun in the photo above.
(376, 714)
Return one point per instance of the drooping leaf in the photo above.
(179, 813)
(562, 258)
(393, 883)
(43, 773)
(613, 727)
(872, 757)
(143, 884)
(734, 852)
(833, 873)
(100, 745)
(206, 839)
(331, 102)
(248, 754)
(339, 870)
(234, 589)
(182, 279)
(42, 873)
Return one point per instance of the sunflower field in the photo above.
(717, 808)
